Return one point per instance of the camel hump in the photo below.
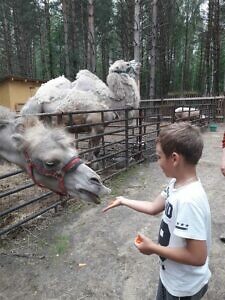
(81, 100)
(88, 82)
(53, 90)
(86, 73)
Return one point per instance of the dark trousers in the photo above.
(163, 294)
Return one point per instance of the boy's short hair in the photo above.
(183, 138)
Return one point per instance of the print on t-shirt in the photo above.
(164, 232)
(164, 236)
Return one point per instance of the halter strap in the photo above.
(59, 175)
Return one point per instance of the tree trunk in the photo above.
(7, 39)
(216, 48)
(105, 56)
(49, 42)
(185, 62)
(153, 51)
(91, 55)
(66, 37)
(75, 41)
(137, 38)
(208, 60)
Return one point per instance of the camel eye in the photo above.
(2, 126)
(51, 163)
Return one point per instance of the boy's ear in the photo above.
(175, 157)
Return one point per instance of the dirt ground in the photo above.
(82, 253)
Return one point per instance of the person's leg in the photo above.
(163, 294)
(200, 294)
(161, 291)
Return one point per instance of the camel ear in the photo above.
(20, 128)
(19, 141)
(26, 122)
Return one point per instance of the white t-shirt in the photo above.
(186, 216)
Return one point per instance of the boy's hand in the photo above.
(144, 244)
(114, 203)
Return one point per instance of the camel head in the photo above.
(125, 67)
(122, 84)
(49, 157)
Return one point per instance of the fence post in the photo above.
(103, 139)
(140, 131)
(223, 107)
(158, 121)
(213, 110)
(126, 138)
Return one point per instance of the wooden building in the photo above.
(15, 91)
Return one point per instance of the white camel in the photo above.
(188, 114)
(122, 90)
(87, 93)
(48, 156)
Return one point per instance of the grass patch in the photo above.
(118, 182)
(76, 207)
(61, 244)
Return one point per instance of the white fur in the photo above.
(87, 92)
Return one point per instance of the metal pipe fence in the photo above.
(121, 143)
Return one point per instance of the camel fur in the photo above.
(26, 140)
(188, 114)
(87, 93)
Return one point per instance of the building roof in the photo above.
(18, 78)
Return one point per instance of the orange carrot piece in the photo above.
(138, 239)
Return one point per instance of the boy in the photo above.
(185, 230)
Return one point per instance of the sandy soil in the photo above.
(82, 253)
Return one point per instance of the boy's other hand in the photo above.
(144, 244)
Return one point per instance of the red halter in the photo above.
(73, 164)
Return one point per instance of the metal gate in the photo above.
(126, 141)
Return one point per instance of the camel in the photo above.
(87, 93)
(188, 114)
(48, 156)
(122, 90)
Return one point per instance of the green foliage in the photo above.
(32, 40)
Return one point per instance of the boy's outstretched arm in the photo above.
(150, 208)
(195, 252)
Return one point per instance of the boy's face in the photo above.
(165, 163)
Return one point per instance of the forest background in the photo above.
(179, 43)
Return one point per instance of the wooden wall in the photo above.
(14, 91)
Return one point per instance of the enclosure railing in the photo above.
(211, 107)
(121, 143)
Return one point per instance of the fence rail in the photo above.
(125, 142)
